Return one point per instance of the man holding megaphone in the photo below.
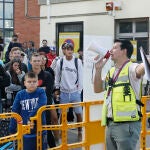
(121, 113)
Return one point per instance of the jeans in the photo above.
(71, 98)
(122, 136)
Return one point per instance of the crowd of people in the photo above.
(31, 78)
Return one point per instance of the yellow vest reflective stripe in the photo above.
(124, 105)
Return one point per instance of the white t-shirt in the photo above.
(67, 77)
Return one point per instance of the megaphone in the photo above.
(99, 50)
(94, 47)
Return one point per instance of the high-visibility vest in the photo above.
(123, 99)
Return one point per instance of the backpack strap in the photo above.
(76, 65)
(61, 64)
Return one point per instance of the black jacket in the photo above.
(4, 78)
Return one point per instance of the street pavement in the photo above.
(72, 138)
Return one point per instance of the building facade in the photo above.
(21, 18)
(38, 19)
(92, 18)
(79, 22)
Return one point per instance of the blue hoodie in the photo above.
(26, 105)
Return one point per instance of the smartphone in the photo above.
(107, 55)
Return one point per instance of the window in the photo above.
(1, 33)
(125, 27)
(9, 0)
(8, 33)
(8, 24)
(70, 27)
(8, 12)
(141, 26)
(6, 19)
(134, 29)
(1, 23)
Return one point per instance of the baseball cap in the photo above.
(69, 45)
(52, 48)
(63, 45)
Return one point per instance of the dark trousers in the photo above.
(0, 102)
(50, 136)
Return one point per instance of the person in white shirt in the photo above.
(68, 81)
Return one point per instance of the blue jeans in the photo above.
(122, 136)
(71, 98)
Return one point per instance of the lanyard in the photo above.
(114, 78)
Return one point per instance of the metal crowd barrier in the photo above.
(88, 125)
(144, 132)
(89, 138)
(21, 130)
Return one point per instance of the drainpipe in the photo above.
(31, 17)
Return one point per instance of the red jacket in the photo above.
(50, 58)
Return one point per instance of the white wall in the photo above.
(93, 25)
(134, 9)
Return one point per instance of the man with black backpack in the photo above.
(68, 80)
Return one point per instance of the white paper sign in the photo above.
(146, 64)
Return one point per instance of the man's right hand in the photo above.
(100, 63)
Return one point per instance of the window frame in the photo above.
(4, 19)
(133, 35)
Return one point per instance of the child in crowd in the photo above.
(16, 74)
(26, 104)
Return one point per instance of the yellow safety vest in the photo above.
(123, 99)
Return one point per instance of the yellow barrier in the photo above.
(21, 129)
(144, 131)
(89, 127)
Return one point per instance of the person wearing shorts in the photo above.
(68, 81)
